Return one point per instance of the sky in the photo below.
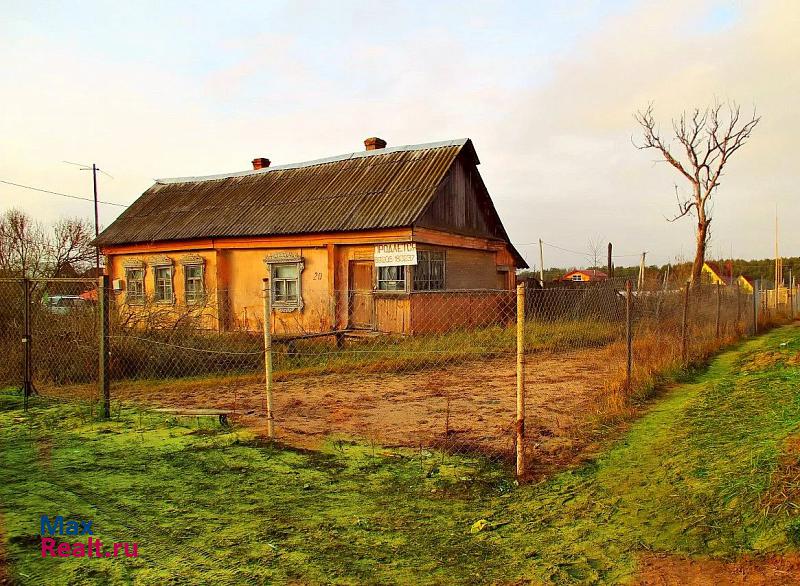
(546, 91)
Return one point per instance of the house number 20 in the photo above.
(317, 276)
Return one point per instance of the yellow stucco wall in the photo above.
(206, 311)
(233, 279)
(117, 271)
(234, 273)
(245, 273)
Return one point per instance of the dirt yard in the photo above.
(465, 407)
(672, 571)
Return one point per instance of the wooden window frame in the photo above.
(197, 296)
(287, 302)
(168, 282)
(426, 255)
(280, 259)
(140, 298)
(403, 279)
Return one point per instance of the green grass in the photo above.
(218, 507)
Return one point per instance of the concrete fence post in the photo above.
(104, 313)
(520, 427)
(268, 357)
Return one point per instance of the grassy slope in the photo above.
(219, 508)
(686, 479)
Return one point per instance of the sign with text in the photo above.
(398, 254)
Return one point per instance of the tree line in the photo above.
(763, 269)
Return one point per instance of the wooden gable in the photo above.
(462, 204)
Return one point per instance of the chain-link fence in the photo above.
(49, 336)
(448, 372)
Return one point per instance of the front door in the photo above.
(360, 301)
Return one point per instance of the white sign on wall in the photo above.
(393, 255)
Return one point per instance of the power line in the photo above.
(584, 253)
(109, 203)
(85, 167)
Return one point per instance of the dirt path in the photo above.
(770, 571)
(467, 406)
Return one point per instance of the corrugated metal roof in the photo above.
(381, 188)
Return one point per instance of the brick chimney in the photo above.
(260, 163)
(374, 143)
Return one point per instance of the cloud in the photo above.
(546, 95)
(579, 130)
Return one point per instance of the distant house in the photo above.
(383, 239)
(715, 274)
(584, 276)
(746, 283)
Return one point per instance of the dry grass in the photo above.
(433, 390)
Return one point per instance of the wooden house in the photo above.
(314, 230)
(584, 276)
(715, 274)
(746, 283)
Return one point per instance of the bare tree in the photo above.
(596, 247)
(70, 246)
(23, 245)
(708, 139)
(28, 250)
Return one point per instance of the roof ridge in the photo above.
(355, 155)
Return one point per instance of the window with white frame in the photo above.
(392, 278)
(429, 270)
(577, 277)
(285, 284)
(134, 280)
(163, 284)
(193, 286)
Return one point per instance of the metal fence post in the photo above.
(27, 339)
(756, 301)
(268, 357)
(103, 315)
(520, 380)
(719, 307)
(628, 333)
(738, 309)
(685, 326)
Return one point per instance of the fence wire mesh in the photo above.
(434, 373)
(55, 321)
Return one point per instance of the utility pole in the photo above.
(95, 170)
(778, 262)
(541, 262)
(610, 268)
(96, 221)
